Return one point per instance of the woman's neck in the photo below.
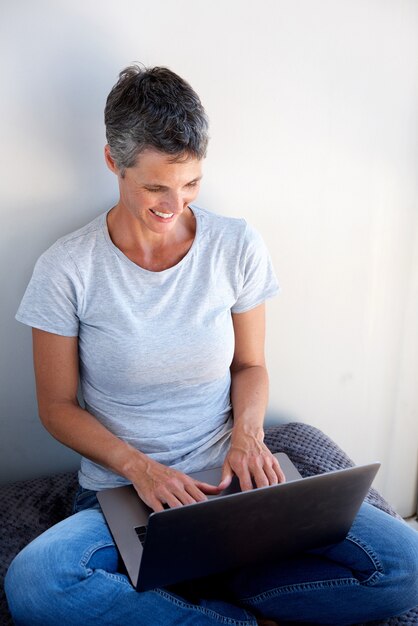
(151, 250)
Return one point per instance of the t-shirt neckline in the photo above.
(127, 260)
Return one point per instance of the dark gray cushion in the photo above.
(314, 453)
(28, 508)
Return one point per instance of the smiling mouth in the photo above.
(164, 216)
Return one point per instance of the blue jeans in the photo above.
(71, 576)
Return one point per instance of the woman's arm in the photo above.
(248, 457)
(57, 373)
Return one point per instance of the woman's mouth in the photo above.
(163, 216)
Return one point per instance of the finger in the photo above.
(206, 487)
(244, 479)
(155, 505)
(227, 475)
(260, 477)
(278, 471)
(271, 475)
(173, 501)
(188, 490)
(272, 469)
(186, 498)
(195, 493)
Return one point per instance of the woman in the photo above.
(157, 307)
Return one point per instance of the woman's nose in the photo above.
(176, 202)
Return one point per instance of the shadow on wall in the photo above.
(274, 418)
(55, 183)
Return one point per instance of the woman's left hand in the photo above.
(251, 460)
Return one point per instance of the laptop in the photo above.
(234, 528)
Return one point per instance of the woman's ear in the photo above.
(110, 161)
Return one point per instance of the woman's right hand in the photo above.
(157, 485)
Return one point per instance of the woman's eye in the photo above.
(194, 183)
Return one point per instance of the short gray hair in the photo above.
(154, 108)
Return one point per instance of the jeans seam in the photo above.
(89, 553)
(209, 612)
(314, 585)
(311, 586)
(372, 556)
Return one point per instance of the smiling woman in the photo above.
(152, 222)
(156, 308)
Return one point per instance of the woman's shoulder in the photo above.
(213, 217)
(218, 224)
(77, 245)
(224, 227)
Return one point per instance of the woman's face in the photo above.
(156, 191)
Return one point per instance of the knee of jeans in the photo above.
(410, 575)
(403, 570)
(59, 558)
(20, 587)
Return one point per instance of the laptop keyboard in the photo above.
(141, 532)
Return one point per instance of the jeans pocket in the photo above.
(85, 499)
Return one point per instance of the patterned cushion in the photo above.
(30, 507)
(314, 453)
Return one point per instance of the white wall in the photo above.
(313, 108)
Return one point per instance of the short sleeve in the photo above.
(51, 300)
(258, 280)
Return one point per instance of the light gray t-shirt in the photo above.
(154, 347)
